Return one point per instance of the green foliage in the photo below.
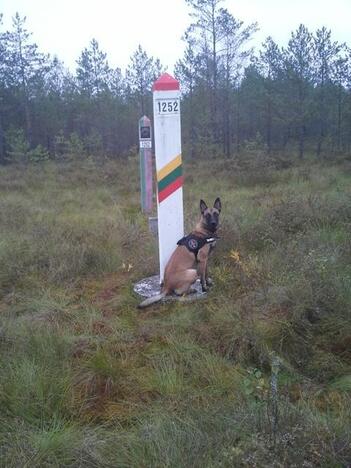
(293, 99)
(255, 385)
(38, 154)
(93, 145)
(255, 146)
(140, 74)
(60, 145)
(93, 70)
(75, 146)
(19, 150)
(18, 145)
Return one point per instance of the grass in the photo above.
(88, 380)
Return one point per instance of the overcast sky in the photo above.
(65, 27)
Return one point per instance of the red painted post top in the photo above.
(145, 121)
(165, 82)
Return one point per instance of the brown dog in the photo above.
(180, 271)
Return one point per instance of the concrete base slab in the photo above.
(148, 287)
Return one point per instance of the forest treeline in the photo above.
(293, 99)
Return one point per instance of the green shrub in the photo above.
(18, 145)
(38, 154)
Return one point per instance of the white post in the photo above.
(166, 96)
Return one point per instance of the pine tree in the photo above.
(234, 57)
(218, 40)
(117, 83)
(3, 59)
(26, 69)
(205, 34)
(270, 65)
(341, 80)
(93, 71)
(140, 75)
(325, 58)
(51, 110)
(298, 58)
(185, 72)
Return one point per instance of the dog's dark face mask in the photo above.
(210, 216)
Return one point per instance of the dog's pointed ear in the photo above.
(203, 206)
(218, 204)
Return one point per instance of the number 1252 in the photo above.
(168, 107)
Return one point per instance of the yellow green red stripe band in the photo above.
(169, 167)
(169, 178)
(171, 188)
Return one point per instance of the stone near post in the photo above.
(145, 148)
(166, 104)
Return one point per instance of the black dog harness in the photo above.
(194, 243)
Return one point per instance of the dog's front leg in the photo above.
(209, 281)
(202, 274)
(202, 258)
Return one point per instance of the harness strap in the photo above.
(194, 243)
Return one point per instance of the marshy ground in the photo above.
(87, 380)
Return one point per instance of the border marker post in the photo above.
(166, 105)
(145, 146)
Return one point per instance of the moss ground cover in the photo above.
(88, 380)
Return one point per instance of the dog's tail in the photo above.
(152, 300)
